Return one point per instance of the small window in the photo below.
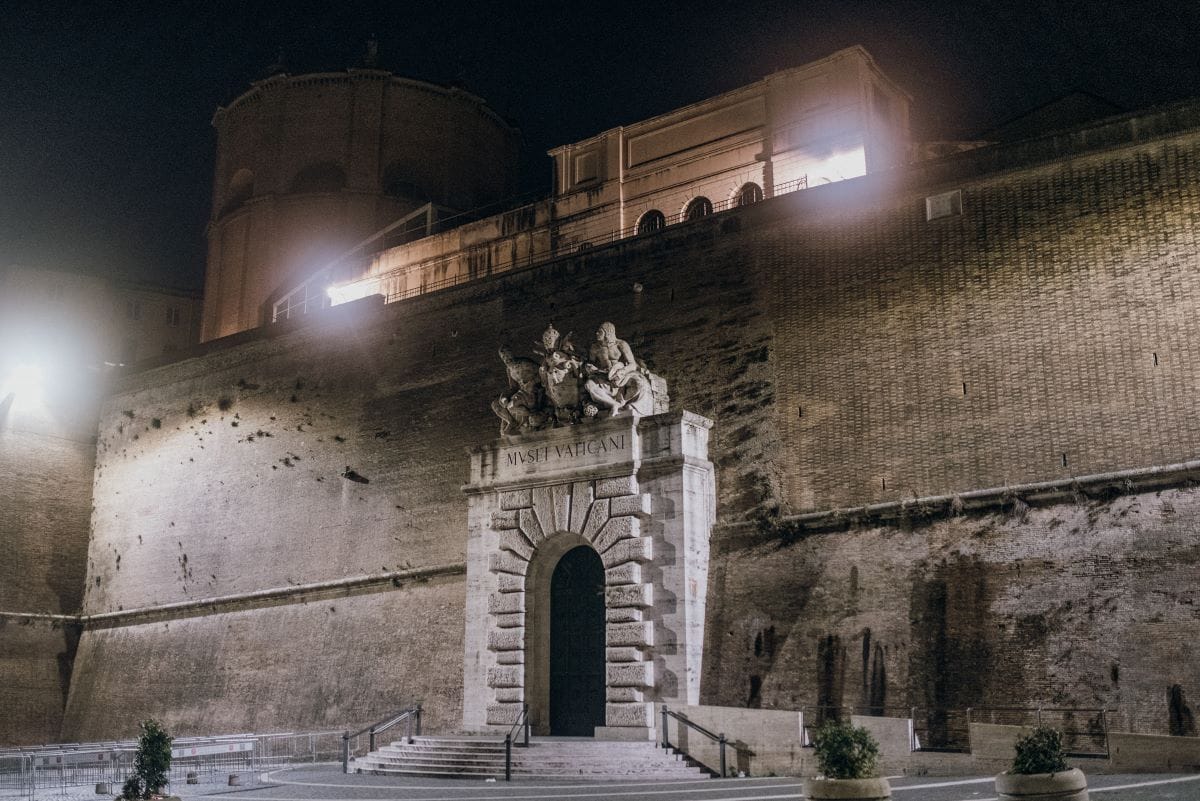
(749, 193)
(173, 316)
(133, 309)
(651, 221)
(699, 207)
(947, 204)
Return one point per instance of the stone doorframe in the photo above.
(641, 494)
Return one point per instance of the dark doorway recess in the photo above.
(577, 644)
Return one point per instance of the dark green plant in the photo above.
(845, 751)
(151, 763)
(1040, 751)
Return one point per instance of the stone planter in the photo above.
(856, 789)
(1068, 785)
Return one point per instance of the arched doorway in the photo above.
(577, 644)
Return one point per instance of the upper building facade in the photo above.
(310, 165)
(833, 119)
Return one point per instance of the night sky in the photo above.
(106, 146)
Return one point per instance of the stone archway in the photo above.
(639, 492)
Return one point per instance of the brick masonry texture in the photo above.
(45, 497)
(311, 666)
(1089, 605)
(848, 351)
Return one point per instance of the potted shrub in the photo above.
(848, 758)
(1040, 771)
(150, 764)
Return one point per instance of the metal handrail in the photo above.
(717, 738)
(410, 714)
(523, 722)
(312, 292)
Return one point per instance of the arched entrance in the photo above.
(577, 643)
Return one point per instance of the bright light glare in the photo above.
(842, 165)
(24, 383)
(348, 292)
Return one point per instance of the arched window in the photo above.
(651, 221)
(324, 176)
(697, 208)
(749, 193)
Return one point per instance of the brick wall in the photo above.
(46, 461)
(830, 335)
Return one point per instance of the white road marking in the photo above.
(943, 784)
(530, 797)
(1092, 790)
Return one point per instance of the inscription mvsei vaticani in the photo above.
(566, 452)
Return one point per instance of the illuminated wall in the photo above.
(308, 166)
(823, 122)
(852, 349)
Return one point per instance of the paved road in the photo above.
(328, 784)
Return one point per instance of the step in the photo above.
(476, 757)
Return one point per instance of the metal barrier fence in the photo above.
(1084, 731)
(49, 771)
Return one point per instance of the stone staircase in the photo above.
(546, 757)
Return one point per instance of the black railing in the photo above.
(523, 723)
(412, 717)
(1084, 731)
(683, 720)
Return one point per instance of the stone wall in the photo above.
(1088, 605)
(46, 461)
(848, 351)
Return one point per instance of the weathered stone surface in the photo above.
(514, 541)
(531, 527)
(629, 595)
(509, 621)
(596, 518)
(617, 528)
(635, 634)
(612, 487)
(630, 674)
(509, 695)
(624, 654)
(506, 639)
(635, 550)
(629, 714)
(505, 520)
(639, 504)
(503, 714)
(560, 500)
(625, 695)
(628, 573)
(506, 562)
(544, 507)
(506, 676)
(503, 603)
(516, 499)
(510, 657)
(510, 582)
(581, 502)
(624, 615)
